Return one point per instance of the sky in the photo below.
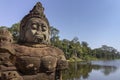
(95, 21)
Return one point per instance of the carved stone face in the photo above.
(5, 36)
(36, 31)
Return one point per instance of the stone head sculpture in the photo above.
(34, 27)
(5, 41)
(5, 36)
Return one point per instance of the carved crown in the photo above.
(36, 12)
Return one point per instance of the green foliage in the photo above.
(14, 29)
(54, 34)
(3, 27)
(106, 52)
(76, 71)
(74, 49)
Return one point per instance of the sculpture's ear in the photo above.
(22, 32)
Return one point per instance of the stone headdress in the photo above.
(36, 12)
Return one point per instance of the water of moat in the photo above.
(94, 70)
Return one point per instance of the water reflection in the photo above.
(83, 71)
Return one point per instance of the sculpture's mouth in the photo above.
(38, 39)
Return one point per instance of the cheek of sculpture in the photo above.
(46, 35)
(29, 35)
(45, 32)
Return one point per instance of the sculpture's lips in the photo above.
(39, 39)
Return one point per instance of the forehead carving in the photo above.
(35, 23)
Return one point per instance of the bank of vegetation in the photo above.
(74, 49)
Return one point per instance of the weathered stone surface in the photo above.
(40, 76)
(41, 59)
(6, 48)
(7, 68)
(32, 58)
(10, 75)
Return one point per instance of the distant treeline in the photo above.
(73, 49)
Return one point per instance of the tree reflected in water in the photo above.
(82, 70)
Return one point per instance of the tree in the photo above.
(75, 39)
(106, 52)
(76, 47)
(54, 31)
(66, 48)
(84, 44)
(3, 27)
(54, 34)
(15, 30)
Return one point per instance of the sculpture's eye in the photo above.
(5, 39)
(43, 27)
(34, 26)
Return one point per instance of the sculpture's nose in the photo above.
(38, 33)
(39, 29)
